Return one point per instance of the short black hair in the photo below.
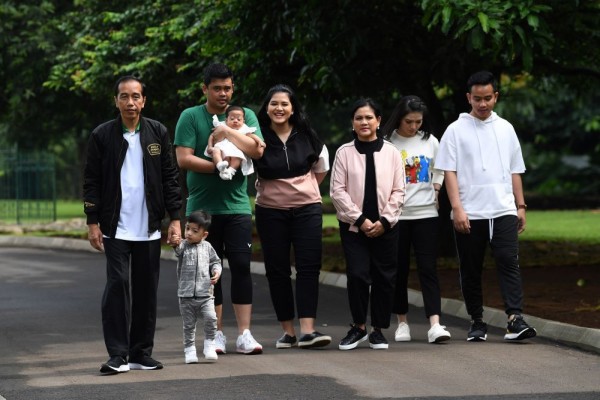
(216, 71)
(235, 108)
(365, 102)
(200, 218)
(127, 78)
(482, 78)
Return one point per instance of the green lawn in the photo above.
(68, 209)
(581, 226)
(570, 225)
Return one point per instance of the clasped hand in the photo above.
(372, 230)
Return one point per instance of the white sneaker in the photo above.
(210, 352)
(402, 332)
(190, 355)
(222, 165)
(437, 334)
(220, 343)
(247, 345)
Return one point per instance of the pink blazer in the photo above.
(347, 186)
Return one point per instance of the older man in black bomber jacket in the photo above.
(130, 180)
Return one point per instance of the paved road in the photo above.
(51, 348)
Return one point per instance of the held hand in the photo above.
(95, 237)
(461, 221)
(220, 133)
(175, 240)
(214, 278)
(174, 230)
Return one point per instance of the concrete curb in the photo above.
(576, 336)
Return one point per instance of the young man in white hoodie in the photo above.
(481, 156)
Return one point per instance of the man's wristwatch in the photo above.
(523, 206)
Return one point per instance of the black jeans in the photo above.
(231, 237)
(420, 235)
(129, 304)
(370, 264)
(279, 231)
(502, 235)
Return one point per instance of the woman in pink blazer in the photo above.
(367, 190)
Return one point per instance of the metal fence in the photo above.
(27, 187)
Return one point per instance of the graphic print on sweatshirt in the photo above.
(416, 168)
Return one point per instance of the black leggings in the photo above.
(231, 237)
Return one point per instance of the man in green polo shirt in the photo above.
(226, 200)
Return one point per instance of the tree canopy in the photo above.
(60, 58)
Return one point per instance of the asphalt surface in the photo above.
(51, 346)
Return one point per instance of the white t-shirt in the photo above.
(133, 219)
(484, 155)
(419, 156)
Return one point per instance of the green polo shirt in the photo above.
(209, 192)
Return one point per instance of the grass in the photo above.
(32, 209)
(579, 226)
(568, 225)
(68, 209)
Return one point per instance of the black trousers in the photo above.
(502, 235)
(130, 298)
(231, 237)
(420, 235)
(371, 274)
(279, 231)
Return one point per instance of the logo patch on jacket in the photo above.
(154, 149)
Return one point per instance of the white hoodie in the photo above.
(484, 155)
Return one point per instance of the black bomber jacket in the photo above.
(102, 184)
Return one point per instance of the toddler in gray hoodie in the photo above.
(198, 269)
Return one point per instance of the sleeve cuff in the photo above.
(385, 223)
(360, 221)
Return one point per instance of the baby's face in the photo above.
(194, 233)
(235, 119)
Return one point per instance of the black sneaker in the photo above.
(517, 329)
(285, 342)
(145, 363)
(478, 331)
(315, 339)
(353, 338)
(377, 341)
(114, 365)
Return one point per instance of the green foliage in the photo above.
(561, 141)
(500, 29)
(59, 60)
